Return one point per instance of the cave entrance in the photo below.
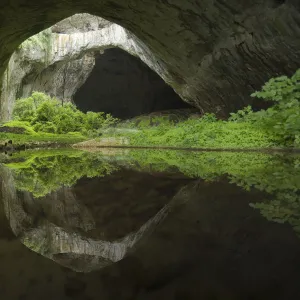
(122, 85)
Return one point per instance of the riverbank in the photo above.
(196, 134)
(38, 140)
(200, 134)
(94, 146)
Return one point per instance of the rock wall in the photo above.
(61, 80)
(60, 59)
(213, 53)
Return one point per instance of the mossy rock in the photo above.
(16, 130)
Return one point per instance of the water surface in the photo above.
(141, 224)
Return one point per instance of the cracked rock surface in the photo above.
(213, 53)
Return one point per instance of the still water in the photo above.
(141, 224)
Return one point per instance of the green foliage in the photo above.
(281, 89)
(209, 117)
(242, 115)
(46, 114)
(282, 119)
(25, 108)
(278, 126)
(202, 133)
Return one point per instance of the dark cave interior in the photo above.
(122, 85)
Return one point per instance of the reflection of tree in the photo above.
(281, 179)
(42, 173)
(60, 233)
(284, 208)
(278, 175)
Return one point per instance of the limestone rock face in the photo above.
(80, 23)
(213, 53)
(58, 61)
(61, 80)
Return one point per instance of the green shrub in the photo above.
(25, 108)
(282, 119)
(46, 114)
(242, 115)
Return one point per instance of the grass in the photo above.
(199, 133)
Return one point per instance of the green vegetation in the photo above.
(46, 114)
(277, 175)
(46, 118)
(203, 134)
(41, 139)
(283, 118)
(278, 126)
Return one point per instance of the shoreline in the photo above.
(85, 145)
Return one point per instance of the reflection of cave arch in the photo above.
(67, 247)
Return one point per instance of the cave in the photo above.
(124, 86)
(214, 54)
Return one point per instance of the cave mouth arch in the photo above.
(124, 86)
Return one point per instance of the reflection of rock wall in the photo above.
(213, 245)
(57, 226)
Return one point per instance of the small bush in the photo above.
(282, 119)
(46, 114)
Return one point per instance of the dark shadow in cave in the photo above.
(124, 86)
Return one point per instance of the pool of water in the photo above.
(142, 224)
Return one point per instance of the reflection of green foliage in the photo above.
(284, 208)
(46, 171)
(206, 165)
(278, 175)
